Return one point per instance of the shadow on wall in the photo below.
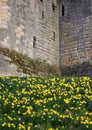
(84, 69)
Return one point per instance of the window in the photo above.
(54, 36)
(34, 41)
(42, 14)
(63, 10)
(41, 0)
(54, 7)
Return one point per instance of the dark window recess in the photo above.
(34, 41)
(42, 14)
(63, 10)
(41, 0)
(54, 7)
(54, 36)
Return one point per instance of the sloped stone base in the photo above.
(15, 64)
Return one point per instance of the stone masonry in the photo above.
(76, 37)
(31, 28)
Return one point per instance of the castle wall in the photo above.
(76, 37)
(29, 27)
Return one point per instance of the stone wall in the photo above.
(76, 37)
(31, 28)
(13, 63)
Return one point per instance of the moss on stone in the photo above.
(30, 66)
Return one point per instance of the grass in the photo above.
(50, 103)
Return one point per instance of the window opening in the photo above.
(41, 0)
(34, 41)
(54, 7)
(54, 36)
(63, 10)
(42, 14)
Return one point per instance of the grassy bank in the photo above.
(60, 103)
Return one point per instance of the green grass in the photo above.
(50, 103)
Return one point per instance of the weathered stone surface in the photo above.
(76, 35)
(31, 28)
(83, 69)
(14, 63)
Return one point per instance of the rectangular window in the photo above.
(34, 41)
(63, 10)
(54, 7)
(42, 14)
(41, 0)
(54, 36)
